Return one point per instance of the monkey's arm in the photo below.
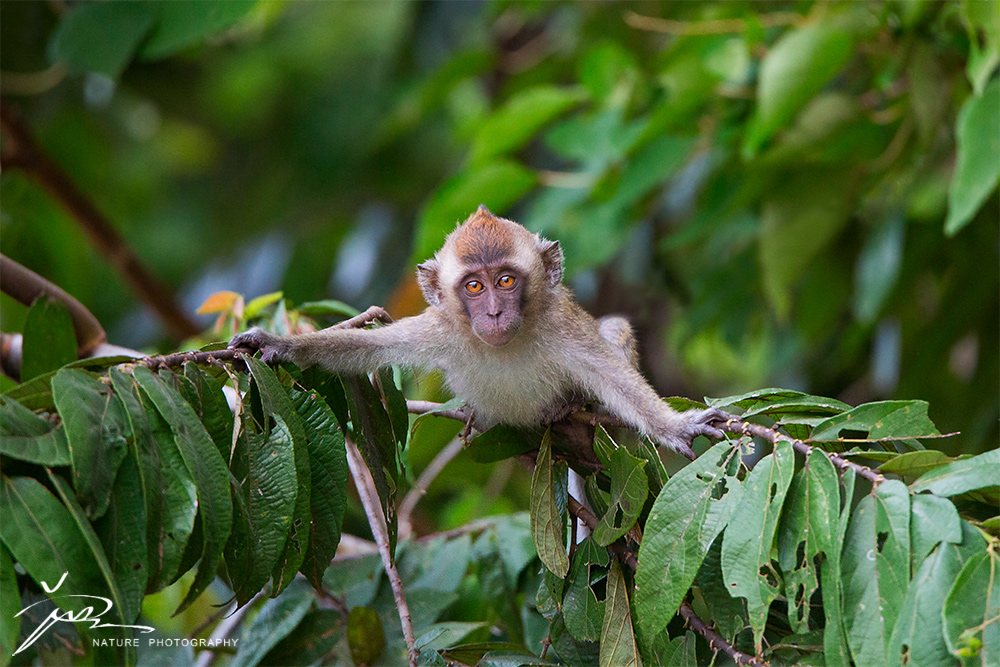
(624, 392)
(406, 342)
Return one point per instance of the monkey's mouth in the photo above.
(497, 336)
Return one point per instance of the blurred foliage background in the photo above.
(798, 194)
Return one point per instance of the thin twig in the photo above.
(21, 150)
(180, 358)
(421, 407)
(370, 502)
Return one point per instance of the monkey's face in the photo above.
(492, 299)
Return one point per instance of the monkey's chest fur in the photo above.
(507, 385)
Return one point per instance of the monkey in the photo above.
(508, 336)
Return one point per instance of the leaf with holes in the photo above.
(875, 568)
(746, 546)
(628, 494)
(882, 419)
(684, 520)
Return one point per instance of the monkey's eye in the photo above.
(473, 287)
(505, 282)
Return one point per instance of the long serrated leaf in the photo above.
(275, 401)
(934, 520)
(374, 435)
(205, 395)
(679, 533)
(328, 468)
(268, 492)
(547, 518)
(207, 469)
(145, 451)
(49, 341)
(618, 647)
(122, 531)
(746, 546)
(835, 648)
(95, 429)
(875, 569)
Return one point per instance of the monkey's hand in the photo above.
(272, 347)
(692, 424)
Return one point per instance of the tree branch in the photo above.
(22, 151)
(370, 502)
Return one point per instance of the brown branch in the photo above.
(22, 151)
(714, 27)
(180, 358)
(370, 502)
(694, 621)
(735, 425)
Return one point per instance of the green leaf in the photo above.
(918, 638)
(682, 524)
(207, 469)
(268, 491)
(727, 613)
(205, 395)
(795, 69)
(514, 124)
(972, 607)
(101, 36)
(875, 569)
(977, 162)
(327, 307)
(651, 166)
(276, 620)
(746, 546)
(979, 472)
(184, 23)
(915, 464)
(124, 609)
(95, 429)
(365, 636)
(49, 338)
(812, 511)
(628, 494)
(882, 419)
(498, 185)
(255, 306)
(170, 488)
(122, 531)
(618, 647)
(27, 437)
(275, 401)
(10, 607)
(328, 493)
(548, 498)
(582, 611)
(44, 538)
(934, 520)
(442, 635)
(835, 647)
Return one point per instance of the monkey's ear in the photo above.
(552, 261)
(427, 278)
